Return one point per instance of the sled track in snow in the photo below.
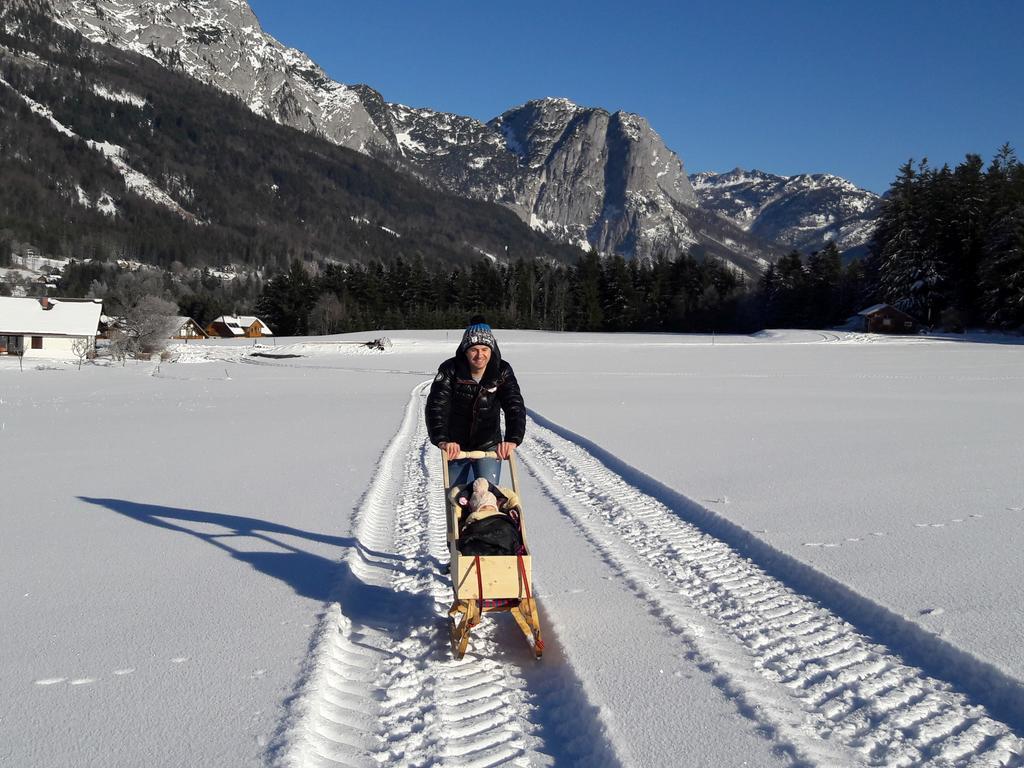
(811, 682)
(380, 687)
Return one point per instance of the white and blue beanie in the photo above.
(479, 332)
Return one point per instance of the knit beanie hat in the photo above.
(482, 496)
(478, 332)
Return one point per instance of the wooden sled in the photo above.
(489, 583)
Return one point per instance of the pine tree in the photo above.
(824, 273)
(584, 311)
(619, 298)
(1003, 271)
(897, 246)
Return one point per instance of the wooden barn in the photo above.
(187, 329)
(238, 327)
(885, 318)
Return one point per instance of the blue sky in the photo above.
(790, 86)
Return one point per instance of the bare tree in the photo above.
(148, 324)
(327, 315)
(119, 344)
(82, 349)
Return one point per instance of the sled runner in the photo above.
(489, 583)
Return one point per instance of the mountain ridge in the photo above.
(803, 212)
(581, 175)
(108, 154)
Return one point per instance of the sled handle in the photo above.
(481, 455)
(477, 455)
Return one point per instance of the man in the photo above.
(465, 400)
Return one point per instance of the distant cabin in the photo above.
(883, 318)
(47, 327)
(238, 327)
(109, 325)
(185, 328)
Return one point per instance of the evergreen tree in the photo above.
(824, 274)
(619, 298)
(584, 309)
(287, 301)
(1002, 276)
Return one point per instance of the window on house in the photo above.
(37, 342)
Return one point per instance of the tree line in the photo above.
(949, 245)
(595, 294)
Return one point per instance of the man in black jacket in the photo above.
(468, 393)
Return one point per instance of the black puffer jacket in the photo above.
(462, 411)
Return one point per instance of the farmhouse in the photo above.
(238, 327)
(884, 318)
(47, 327)
(186, 328)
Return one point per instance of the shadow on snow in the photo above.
(308, 574)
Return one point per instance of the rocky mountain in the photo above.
(580, 175)
(221, 43)
(803, 212)
(110, 155)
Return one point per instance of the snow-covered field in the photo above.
(797, 548)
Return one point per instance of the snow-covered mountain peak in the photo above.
(581, 174)
(221, 42)
(804, 211)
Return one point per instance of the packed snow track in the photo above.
(380, 686)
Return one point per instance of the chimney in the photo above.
(45, 303)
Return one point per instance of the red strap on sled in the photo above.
(479, 583)
(522, 573)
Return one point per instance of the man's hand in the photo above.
(451, 450)
(504, 450)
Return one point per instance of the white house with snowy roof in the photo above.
(238, 327)
(47, 327)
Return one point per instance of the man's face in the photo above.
(478, 355)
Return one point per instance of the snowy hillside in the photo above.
(796, 548)
(580, 175)
(803, 212)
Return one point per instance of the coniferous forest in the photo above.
(949, 246)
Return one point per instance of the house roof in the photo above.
(65, 317)
(238, 323)
(879, 307)
(181, 321)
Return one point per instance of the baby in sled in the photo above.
(489, 523)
